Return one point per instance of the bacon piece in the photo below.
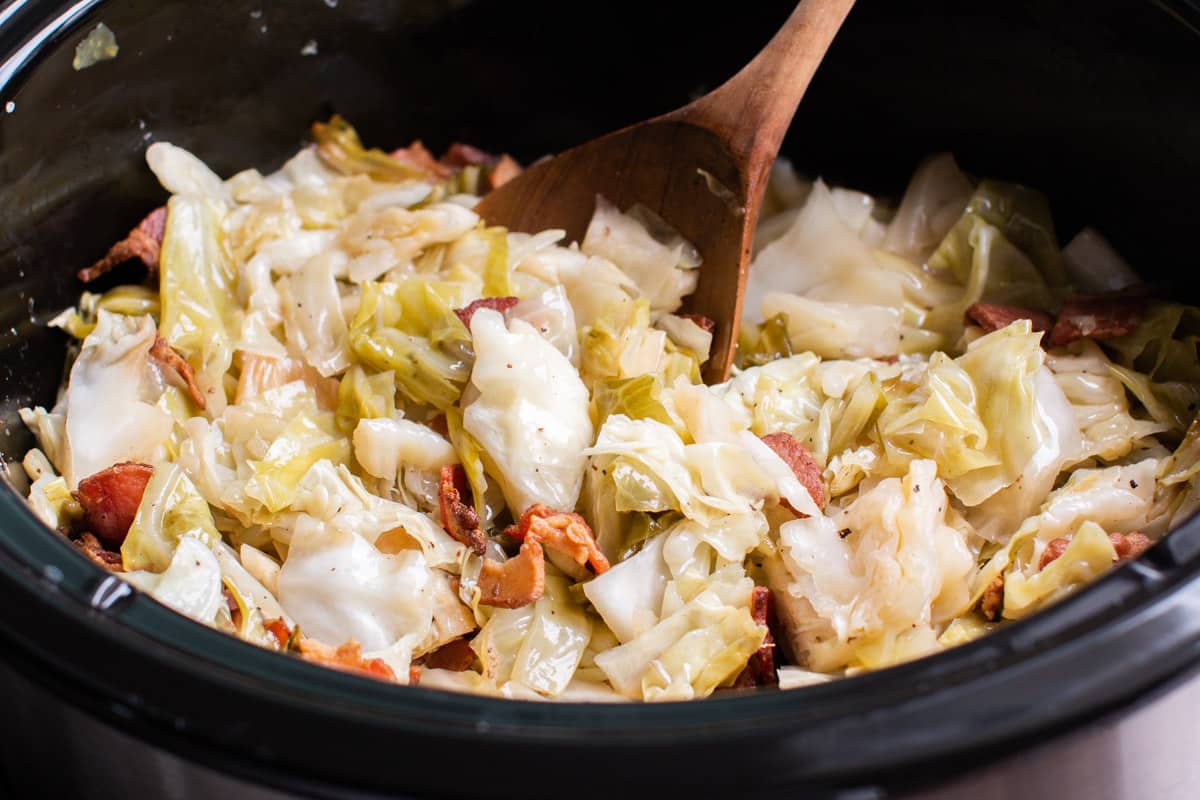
(347, 658)
(504, 171)
(521, 580)
(260, 373)
(516, 582)
(760, 669)
(704, 323)
(501, 304)
(1053, 550)
(459, 155)
(991, 605)
(110, 499)
(414, 675)
(1096, 317)
(417, 156)
(803, 465)
(1128, 546)
(90, 546)
(169, 359)
(144, 242)
(564, 531)
(456, 656)
(279, 629)
(993, 317)
(458, 515)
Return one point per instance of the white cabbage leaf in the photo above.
(530, 416)
(661, 264)
(881, 574)
(109, 404)
(190, 584)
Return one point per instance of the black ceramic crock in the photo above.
(1094, 102)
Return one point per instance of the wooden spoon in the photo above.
(702, 168)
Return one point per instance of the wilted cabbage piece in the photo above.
(530, 416)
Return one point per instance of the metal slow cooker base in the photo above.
(1148, 752)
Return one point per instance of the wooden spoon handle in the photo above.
(752, 110)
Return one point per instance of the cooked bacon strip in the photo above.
(279, 629)
(521, 580)
(417, 156)
(761, 669)
(169, 359)
(993, 317)
(504, 171)
(501, 304)
(498, 170)
(516, 582)
(704, 323)
(564, 531)
(261, 373)
(459, 155)
(803, 465)
(144, 242)
(1128, 546)
(1096, 317)
(458, 515)
(347, 658)
(456, 656)
(90, 546)
(110, 499)
(991, 605)
(1053, 550)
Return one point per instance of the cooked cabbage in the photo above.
(388, 383)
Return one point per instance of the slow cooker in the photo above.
(107, 693)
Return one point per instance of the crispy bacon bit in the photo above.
(1053, 550)
(279, 629)
(761, 669)
(803, 465)
(1096, 317)
(993, 317)
(90, 546)
(504, 171)
(144, 242)
(347, 658)
(521, 580)
(414, 675)
(110, 500)
(501, 304)
(991, 605)
(169, 359)
(516, 582)
(564, 531)
(456, 656)
(458, 515)
(417, 156)
(260, 373)
(1128, 546)
(704, 323)
(459, 155)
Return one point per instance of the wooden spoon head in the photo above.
(682, 172)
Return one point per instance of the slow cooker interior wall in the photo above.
(1093, 103)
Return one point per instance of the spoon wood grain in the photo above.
(702, 168)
